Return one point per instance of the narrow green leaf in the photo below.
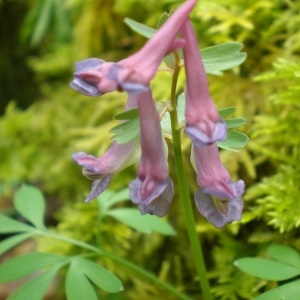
(235, 122)
(140, 28)
(36, 288)
(43, 21)
(9, 225)
(143, 223)
(289, 291)
(14, 240)
(77, 286)
(30, 203)
(127, 114)
(226, 111)
(266, 268)
(100, 276)
(222, 57)
(27, 264)
(285, 254)
(234, 140)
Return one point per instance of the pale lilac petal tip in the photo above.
(161, 205)
(116, 73)
(201, 139)
(238, 188)
(98, 187)
(82, 86)
(218, 212)
(158, 202)
(135, 188)
(87, 161)
(87, 64)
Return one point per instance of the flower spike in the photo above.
(203, 124)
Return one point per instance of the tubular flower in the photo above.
(203, 124)
(218, 199)
(94, 77)
(115, 159)
(152, 190)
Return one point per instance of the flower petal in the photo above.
(98, 187)
(200, 138)
(218, 212)
(158, 202)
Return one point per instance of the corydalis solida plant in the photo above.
(152, 190)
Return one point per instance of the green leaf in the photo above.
(266, 268)
(126, 132)
(108, 198)
(226, 111)
(222, 57)
(215, 58)
(140, 28)
(285, 254)
(234, 140)
(129, 130)
(36, 288)
(30, 203)
(127, 114)
(14, 240)
(143, 223)
(289, 291)
(235, 122)
(26, 264)
(9, 225)
(100, 276)
(165, 124)
(77, 286)
(181, 108)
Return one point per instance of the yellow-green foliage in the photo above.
(276, 140)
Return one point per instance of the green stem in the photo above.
(184, 191)
(149, 276)
(169, 288)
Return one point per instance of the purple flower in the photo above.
(152, 190)
(203, 124)
(115, 159)
(218, 199)
(94, 77)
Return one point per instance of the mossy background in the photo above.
(43, 121)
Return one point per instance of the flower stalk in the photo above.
(184, 191)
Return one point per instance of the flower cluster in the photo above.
(218, 199)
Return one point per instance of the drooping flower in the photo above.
(203, 124)
(94, 77)
(152, 190)
(218, 199)
(115, 159)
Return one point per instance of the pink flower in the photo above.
(152, 190)
(203, 124)
(94, 77)
(115, 159)
(218, 199)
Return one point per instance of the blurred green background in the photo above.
(43, 121)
